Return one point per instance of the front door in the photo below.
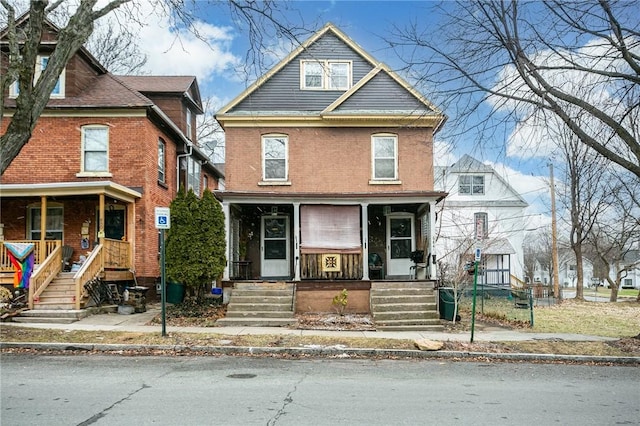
(400, 244)
(274, 245)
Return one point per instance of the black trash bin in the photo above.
(175, 292)
(446, 303)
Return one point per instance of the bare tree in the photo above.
(116, 48)
(617, 232)
(526, 60)
(263, 20)
(585, 194)
(210, 134)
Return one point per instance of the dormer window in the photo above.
(471, 185)
(325, 75)
(41, 64)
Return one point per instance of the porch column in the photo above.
(432, 226)
(131, 234)
(365, 240)
(42, 253)
(227, 233)
(101, 223)
(296, 241)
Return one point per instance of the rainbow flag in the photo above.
(21, 256)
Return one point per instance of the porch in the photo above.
(50, 288)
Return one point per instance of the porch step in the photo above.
(404, 306)
(54, 316)
(59, 294)
(260, 305)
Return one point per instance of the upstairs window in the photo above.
(162, 178)
(274, 157)
(471, 185)
(95, 149)
(481, 221)
(188, 124)
(384, 150)
(325, 75)
(41, 64)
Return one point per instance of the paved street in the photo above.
(116, 390)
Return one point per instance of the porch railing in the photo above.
(89, 270)
(42, 250)
(350, 267)
(116, 254)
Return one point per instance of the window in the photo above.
(41, 64)
(325, 75)
(471, 185)
(188, 124)
(161, 161)
(193, 175)
(481, 221)
(274, 158)
(55, 223)
(385, 159)
(205, 182)
(95, 149)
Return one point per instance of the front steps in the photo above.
(260, 305)
(51, 316)
(404, 306)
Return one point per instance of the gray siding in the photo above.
(382, 93)
(282, 91)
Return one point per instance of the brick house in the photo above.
(105, 152)
(329, 175)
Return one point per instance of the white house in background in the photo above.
(631, 262)
(480, 204)
(567, 271)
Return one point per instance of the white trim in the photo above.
(281, 180)
(375, 137)
(83, 170)
(326, 67)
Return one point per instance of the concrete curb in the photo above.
(330, 351)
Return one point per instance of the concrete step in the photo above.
(415, 298)
(264, 286)
(404, 315)
(405, 307)
(261, 293)
(44, 320)
(255, 322)
(249, 307)
(251, 298)
(51, 316)
(407, 322)
(402, 284)
(259, 314)
(407, 291)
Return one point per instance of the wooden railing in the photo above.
(116, 254)
(90, 269)
(42, 250)
(350, 267)
(45, 273)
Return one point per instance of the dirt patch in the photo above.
(349, 322)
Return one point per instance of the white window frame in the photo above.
(58, 91)
(471, 187)
(83, 150)
(188, 126)
(193, 175)
(326, 79)
(162, 161)
(31, 229)
(265, 140)
(374, 158)
(481, 220)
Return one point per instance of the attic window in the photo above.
(325, 75)
(41, 64)
(471, 185)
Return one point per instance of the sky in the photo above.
(173, 51)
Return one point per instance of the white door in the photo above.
(274, 245)
(400, 244)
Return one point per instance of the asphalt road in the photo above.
(120, 390)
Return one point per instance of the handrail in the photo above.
(88, 271)
(517, 282)
(47, 271)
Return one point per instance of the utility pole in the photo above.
(554, 238)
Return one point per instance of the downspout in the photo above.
(178, 157)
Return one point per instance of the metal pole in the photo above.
(473, 308)
(163, 285)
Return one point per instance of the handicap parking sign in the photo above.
(163, 220)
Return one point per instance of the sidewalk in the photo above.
(138, 323)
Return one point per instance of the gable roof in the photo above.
(173, 84)
(338, 105)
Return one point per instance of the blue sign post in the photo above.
(163, 221)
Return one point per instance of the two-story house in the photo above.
(329, 171)
(105, 152)
(481, 208)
